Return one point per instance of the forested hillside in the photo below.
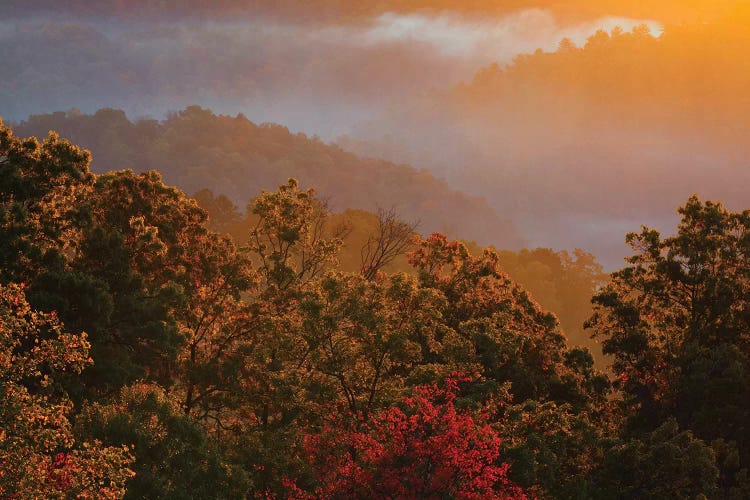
(234, 160)
(144, 355)
(195, 149)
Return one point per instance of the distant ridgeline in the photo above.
(590, 141)
(196, 149)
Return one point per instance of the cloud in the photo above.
(321, 79)
(326, 79)
(491, 39)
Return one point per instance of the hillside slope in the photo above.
(196, 149)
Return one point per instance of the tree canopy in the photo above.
(146, 355)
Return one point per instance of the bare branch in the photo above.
(391, 239)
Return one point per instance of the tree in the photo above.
(289, 237)
(40, 185)
(391, 239)
(174, 456)
(39, 457)
(557, 410)
(664, 464)
(216, 325)
(365, 338)
(126, 277)
(676, 321)
(222, 213)
(504, 331)
(290, 248)
(425, 446)
(107, 253)
(254, 353)
(552, 448)
(562, 283)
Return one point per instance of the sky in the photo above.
(321, 79)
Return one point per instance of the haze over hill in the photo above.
(319, 79)
(195, 149)
(585, 143)
(544, 137)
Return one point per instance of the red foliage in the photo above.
(58, 475)
(423, 447)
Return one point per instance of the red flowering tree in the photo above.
(423, 447)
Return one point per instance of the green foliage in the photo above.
(512, 339)
(39, 457)
(289, 239)
(174, 456)
(676, 322)
(366, 337)
(39, 187)
(552, 448)
(664, 464)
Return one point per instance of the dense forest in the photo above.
(151, 350)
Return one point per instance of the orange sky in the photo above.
(667, 11)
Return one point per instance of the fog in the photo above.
(587, 143)
(569, 169)
(565, 185)
(321, 79)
